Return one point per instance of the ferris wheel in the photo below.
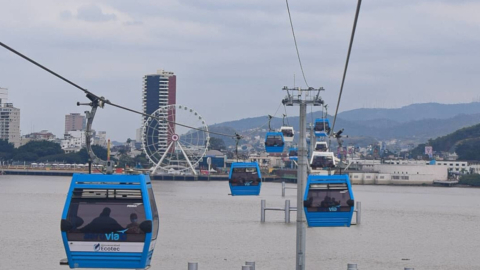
(175, 138)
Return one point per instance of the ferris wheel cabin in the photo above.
(245, 179)
(109, 221)
(321, 127)
(274, 142)
(329, 201)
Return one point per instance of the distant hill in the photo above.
(413, 112)
(428, 120)
(465, 142)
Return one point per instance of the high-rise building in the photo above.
(159, 90)
(74, 121)
(9, 120)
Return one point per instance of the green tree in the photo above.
(469, 150)
(7, 150)
(100, 152)
(66, 158)
(470, 179)
(32, 150)
(142, 160)
(25, 156)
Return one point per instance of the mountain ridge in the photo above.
(438, 120)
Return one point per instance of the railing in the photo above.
(288, 208)
(251, 266)
(285, 187)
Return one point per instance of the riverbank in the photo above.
(166, 177)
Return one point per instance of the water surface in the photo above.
(421, 227)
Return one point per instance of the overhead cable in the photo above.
(102, 99)
(346, 63)
(296, 47)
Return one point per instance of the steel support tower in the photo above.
(302, 97)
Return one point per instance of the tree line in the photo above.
(45, 151)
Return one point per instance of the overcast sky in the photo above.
(233, 57)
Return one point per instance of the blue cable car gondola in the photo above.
(110, 221)
(321, 127)
(274, 142)
(293, 154)
(328, 201)
(245, 178)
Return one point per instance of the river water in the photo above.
(420, 227)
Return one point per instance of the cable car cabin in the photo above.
(245, 179)
(321, 127)
(293, 153)
(328, 201)
(322, 162)
(321, 147)
(274, 142)
(109, 221)
(288, 133)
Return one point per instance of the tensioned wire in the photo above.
(296, 47)
(346, 62)
(106, 101)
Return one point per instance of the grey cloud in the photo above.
(93, 13)
(133, 23)
(243, 54)
(66, 15)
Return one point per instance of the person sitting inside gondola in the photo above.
(322, 162)
(321, 147)
(133, 227)
(319, 127)
(287, 133)
(270, 141)
(333, 202)
(279, 141)
(102, 224)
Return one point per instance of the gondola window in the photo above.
(106, 215)
(328, 198)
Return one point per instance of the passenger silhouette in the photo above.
(133, 227)
(102, 224)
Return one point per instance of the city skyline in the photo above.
(233, 58)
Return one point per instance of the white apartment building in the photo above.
(74, 141)
(9, 120)
(100, 138)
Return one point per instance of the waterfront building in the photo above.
(73, 141)
(408, 174)
(43, 135)
(100, 138)
(159, 90)
(9, 120)
(74, 121)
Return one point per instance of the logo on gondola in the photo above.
(106, 248)
(120, 235)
